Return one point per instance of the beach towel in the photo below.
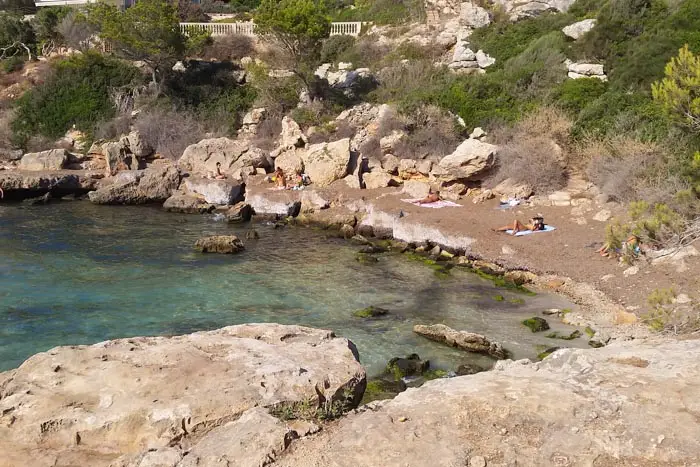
(547, 228)
(435, 205)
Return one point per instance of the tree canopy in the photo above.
(679, 91)
(149, 32)
(298, 27)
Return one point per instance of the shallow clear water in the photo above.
(75, 273)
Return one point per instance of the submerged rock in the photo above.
(464, 340)
(469, 369)
(408, 366)
(157, 398)
(226, 244)
(536, 324)
(370, 312)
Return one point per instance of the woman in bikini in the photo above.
(432, 197)
(536, 223)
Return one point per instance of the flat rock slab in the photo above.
(89, 405)
(220, 192)
(630, 404)
(65, 181)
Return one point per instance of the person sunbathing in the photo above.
(632, 245)
(536, 223)
(432, 197)
(219, 175)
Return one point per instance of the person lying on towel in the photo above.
(433, 197)
(536, 223)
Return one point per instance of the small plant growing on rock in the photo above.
(536, 324)
(662, 315)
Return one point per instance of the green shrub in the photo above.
(381, 11)
(77, 93)
(334, 47)
(507, 40)
(46, 22)
(14, 63)
(574, 95)
(14, 29)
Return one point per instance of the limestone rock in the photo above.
(578, 29)
(423, 167)
(474, 16)
(587, 69)
(483, 59)
(416, 189)
(28, 184)
(117, 157)
(215, 191)
(477, 133)
(89, 405)
(312, 200)
(377, 179)
(407, 168)
(277, 203)
(390, 163)
(251, 120)
(325, 163)
(464, 340)
(517, 9)
(291, 136)
(53, 159)
(240, 212)
(226, 244)
(201, 158)
(509, 189)
(469, 159)
(137, 145)
(290, 162)
(155, 184)
(463, 53)
(388, 143)
(187, 204)
(603, 215)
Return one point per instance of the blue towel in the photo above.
(547, 228)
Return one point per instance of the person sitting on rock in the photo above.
(219, 175)
(536, 223)
(279, 179)
(433, 197)
(2, 194)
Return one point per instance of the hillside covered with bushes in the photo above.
(634, 134)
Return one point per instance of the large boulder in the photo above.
(474, 16)
(290, 162)
(291, 136)
(117, 157)
(275, 203)
(187, 204)
(325, 163)
(89, 405)
(225, 244)
(598, 407)
(53, 159)
(215, 191)
(469, 341)
(518, 9)
(578, 29)
(471, 158)
(201, 158)
(155, 184)
(377, 179)
(138, 145)
(416, 189)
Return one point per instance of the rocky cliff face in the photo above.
(90, 405)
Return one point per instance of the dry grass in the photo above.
(535, 151)
(231, 47)
(5, 131)
(114, 128)
(626, 169)
(169, 132)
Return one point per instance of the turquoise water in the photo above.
(75, 273)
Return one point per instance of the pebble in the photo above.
(682, 299)
(607, 277)
(602, 215)
(631, 271)
(477, 461)
(506, 250)
(403, 419)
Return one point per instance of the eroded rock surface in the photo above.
(89, 405)
(155, 184)
(607, 407)
(469, 341)
(234, 155)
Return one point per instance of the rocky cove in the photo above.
(286, 390)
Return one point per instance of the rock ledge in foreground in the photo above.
(191, 398)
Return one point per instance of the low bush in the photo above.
(574, 95)
(75, 94)
(169, 132)
(431, 133)
(277, 95)
(14, 63)
(229, 47)
(534, 151)
(334, 47)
